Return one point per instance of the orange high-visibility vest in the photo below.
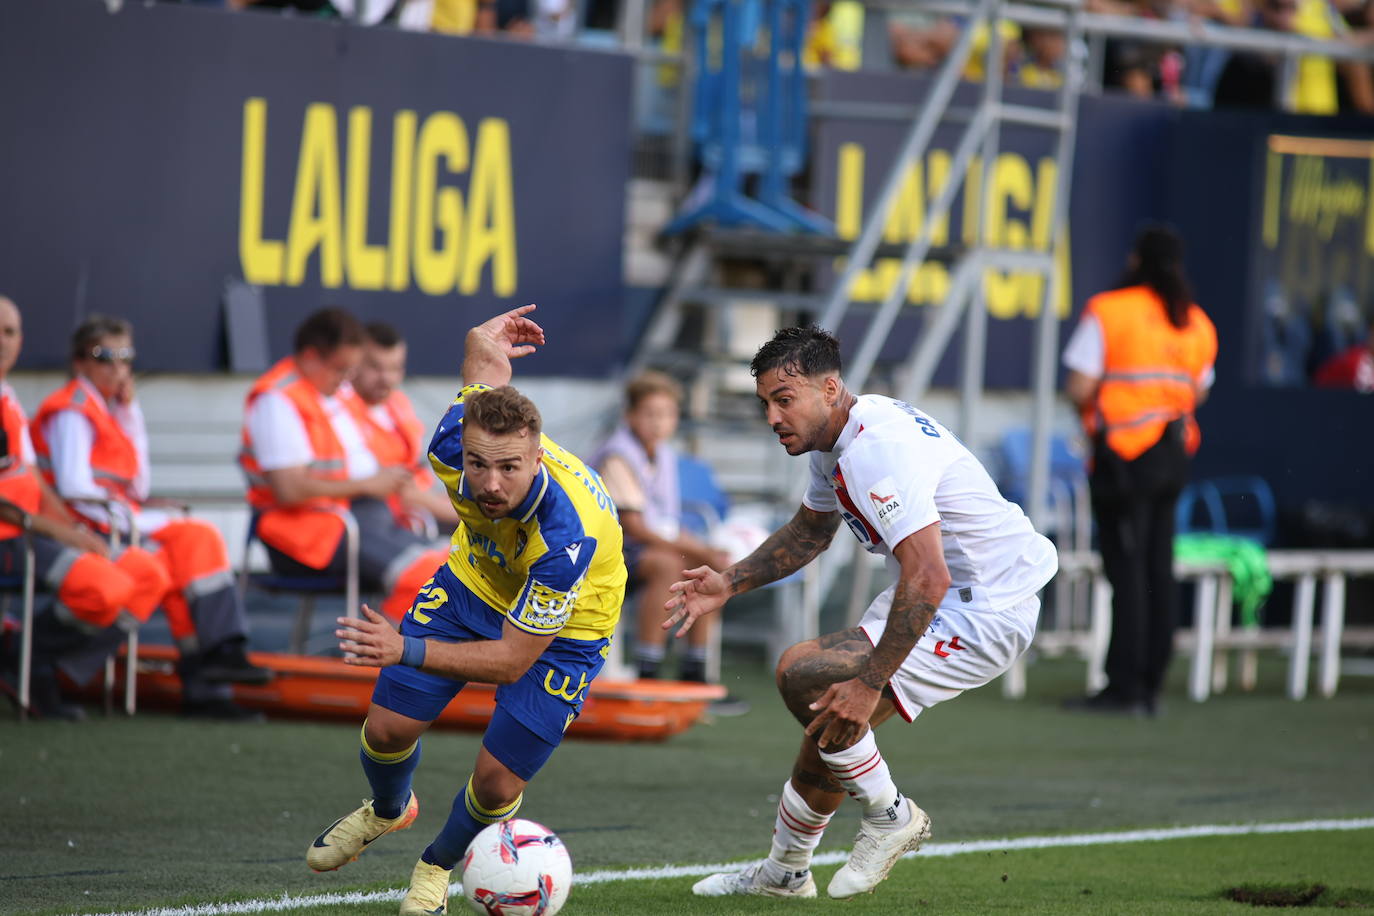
(114, 458)
(309, 532)
(401, 446)
(1150, 371)
(17, 481)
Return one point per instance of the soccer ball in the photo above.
(517, 868)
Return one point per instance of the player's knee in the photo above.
(386, 736)
(790, 685)
(495, 790)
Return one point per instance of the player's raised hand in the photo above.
(703, 591)
(489, 347)
(369, 640)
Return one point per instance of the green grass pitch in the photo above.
(120, 815)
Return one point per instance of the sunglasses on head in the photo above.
(112, 354)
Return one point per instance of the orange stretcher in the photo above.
(311, 687)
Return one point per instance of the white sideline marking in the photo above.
(287, 902)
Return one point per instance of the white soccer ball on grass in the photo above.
(516, 868)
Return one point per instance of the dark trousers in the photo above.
(385, 549)
(1134, 503)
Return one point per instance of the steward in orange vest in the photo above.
(1151, 370)
(92, 448)
(80, 593)
(1140, 361)
(394, 434)
(307, 462)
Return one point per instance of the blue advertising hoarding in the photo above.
(425, 180)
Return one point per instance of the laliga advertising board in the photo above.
(161, 150)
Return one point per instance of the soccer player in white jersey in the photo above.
(968, 567)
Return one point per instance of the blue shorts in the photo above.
(545, 700)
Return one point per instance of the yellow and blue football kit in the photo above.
(554, 566)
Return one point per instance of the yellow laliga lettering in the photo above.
(402, 191)
(442, 136)
(1017, 216)
(1007, 293)
(316, 217)
(1046, 180)
(491, 212)
(937, 176)
(973, 194)
(1011, 186)
(849, 191)
(366, 263)
(849, 206)
(904, 217)
(260, 259)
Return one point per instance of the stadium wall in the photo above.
(156, 151)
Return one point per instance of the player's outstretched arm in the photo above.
(489, 348)
(784, 552)
(703, 592)
(371, 641)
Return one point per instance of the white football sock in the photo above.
(863, 772)
(796, 833)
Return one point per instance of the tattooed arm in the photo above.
(844, 709)
(785, 551)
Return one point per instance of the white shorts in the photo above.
(960, 650)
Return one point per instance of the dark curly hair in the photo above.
(799, 351)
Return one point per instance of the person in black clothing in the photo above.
(1140, 361)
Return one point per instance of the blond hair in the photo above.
(501, 411)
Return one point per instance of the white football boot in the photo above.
(875, 851)
(752, 881)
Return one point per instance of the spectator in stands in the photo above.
(1143, 69)
(639, 466)
(1140, 361)
(1042, 64)
(395, 435)
(86, 598)
(1252, 79)
(1352, 368)
(307, 463)
(92, 447)
(918, 39)
(834, 36)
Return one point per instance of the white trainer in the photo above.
(753, 882)
(875, 852)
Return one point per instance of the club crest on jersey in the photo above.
(887, 504)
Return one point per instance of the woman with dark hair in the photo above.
(1139, 363)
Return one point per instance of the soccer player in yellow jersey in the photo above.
(528, 600)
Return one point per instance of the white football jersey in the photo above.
(894, 470)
